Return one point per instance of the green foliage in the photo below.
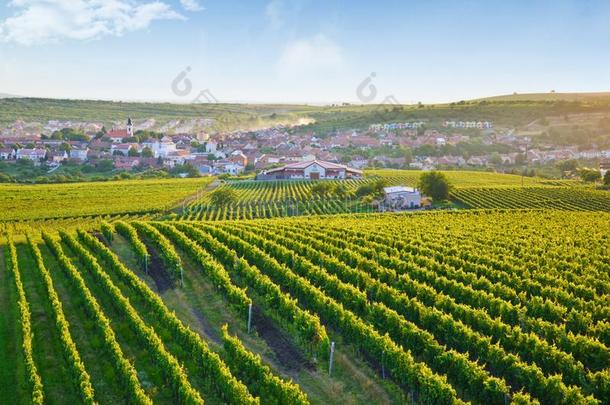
(223, 196)
(211, 366)
(69, 134)
(568, 165)
(322, 188)
(147, 152)
(34, 380)
(81, 378)
(147, 335)
(434, 184)
(551, 197)
(133, 152)
(125, 369)
(18, 201)
(250, 367)
(589, 175)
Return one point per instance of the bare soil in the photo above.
(156, 270)
(101, 238)
(207, 327)
(287, 354)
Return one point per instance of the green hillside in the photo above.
(509, 111)
(552, 96)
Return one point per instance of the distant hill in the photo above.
(583, 97)
(4, 95)
(504, 111)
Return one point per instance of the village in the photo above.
(140, 145)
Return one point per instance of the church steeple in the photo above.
(129, 126)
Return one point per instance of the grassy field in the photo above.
(411, 302)
(31, 202)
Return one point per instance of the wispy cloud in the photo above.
(316, 54)
(274, 12)
(42, 21)
(191, 5)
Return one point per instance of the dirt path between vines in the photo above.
(288, 355)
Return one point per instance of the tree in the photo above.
(105, 165)
(147, 152)
(607, 178)
(65, 147)
(408, 155)
(322, 188)
(567, 165)
(372, 189)
(133, 152)
(223, 196)
(495, 159)
(590, 175)
(364, 190)
(341, 191)
(434, 184)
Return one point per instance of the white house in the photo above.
(31, 154)
(230, 168)
(58, 157)
(161, 148)
(400, 197)
(79, 154)
(211, 146)
(123, 148)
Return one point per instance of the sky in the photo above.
(302, 51)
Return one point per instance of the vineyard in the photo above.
(284, 198)
(31, 202)
(464, 178)
(432, 308)
(562, 198)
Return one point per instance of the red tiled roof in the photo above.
(118, 133)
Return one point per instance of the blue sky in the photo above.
(302, 51)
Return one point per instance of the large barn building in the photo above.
(311, 170)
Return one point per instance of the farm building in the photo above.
(311, 170)
(400, 197)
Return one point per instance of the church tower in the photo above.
(129, 127)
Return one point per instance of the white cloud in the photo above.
(191, 5)
(43, 21)
(314, 54)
